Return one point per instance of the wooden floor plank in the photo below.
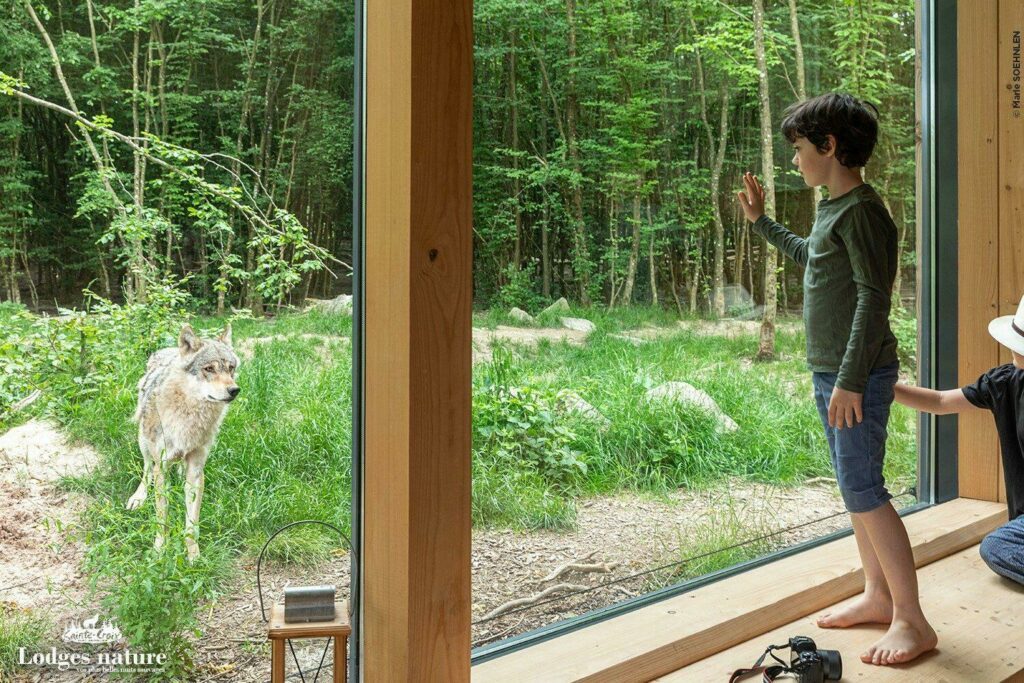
(976, 614)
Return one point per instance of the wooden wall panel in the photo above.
(1011, 166)
(1011, 154)
(418, 273)
(979, 147)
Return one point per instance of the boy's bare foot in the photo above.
(901, 643)
(874, 609)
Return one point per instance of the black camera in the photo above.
(812, 665)
(806, 661)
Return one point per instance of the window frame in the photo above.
(937, 334)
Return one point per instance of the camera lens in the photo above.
(831, 664)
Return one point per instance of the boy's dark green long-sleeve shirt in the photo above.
(850, 264)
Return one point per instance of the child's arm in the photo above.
(752, 203)
(932, 401)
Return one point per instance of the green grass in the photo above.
(652, 446)
(284, 450)
(727, 539)
(283, 454)
(18, 629)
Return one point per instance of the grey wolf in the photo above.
(183, 397)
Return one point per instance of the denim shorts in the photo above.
(1003, 550)
(858, 452)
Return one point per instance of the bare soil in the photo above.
(40, 554)
(483, 339)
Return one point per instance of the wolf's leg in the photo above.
(160, 491)
(139, 497)
(194, 483)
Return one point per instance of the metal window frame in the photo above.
(938, 302)
(937, 350)
(358, 336)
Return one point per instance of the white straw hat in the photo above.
(1008, 330)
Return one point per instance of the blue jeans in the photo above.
(858, 452)
(1003, 550)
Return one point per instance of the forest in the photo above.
(209, 145)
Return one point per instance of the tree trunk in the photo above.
(653, 271)
(138, 186)
(766, 346)
(545, 253)
(581, 257)
(517, 253)
(717, 156)
(613, 247)
(801, 83)
(634, 250)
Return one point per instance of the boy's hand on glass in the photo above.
(752, 199)
(844, 407)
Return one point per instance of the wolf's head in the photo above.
(209, 364)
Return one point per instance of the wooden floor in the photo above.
(690, 629)
(978, 616)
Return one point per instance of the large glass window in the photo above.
(643, 413)
(169, 171)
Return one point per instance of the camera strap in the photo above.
(768, 673)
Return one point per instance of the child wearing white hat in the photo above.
(1001, 391)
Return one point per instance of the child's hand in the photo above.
(843, 408)
(752, 200)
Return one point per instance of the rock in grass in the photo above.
(635, 341)
(520, 315)
(571, 402)
(341, 305)
(687, 394)
(560, 305)
(578, 324)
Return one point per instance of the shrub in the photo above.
(82, 353)
(520, 426)
(904, 326)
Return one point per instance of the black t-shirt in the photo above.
(1001, 390)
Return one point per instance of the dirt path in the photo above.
(635, 533)
(39, 556)
(483, 339)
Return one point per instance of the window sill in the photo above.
(662, 638)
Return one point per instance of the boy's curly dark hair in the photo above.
(848, 119)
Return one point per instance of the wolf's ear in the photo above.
(188, 342)
(225, 336)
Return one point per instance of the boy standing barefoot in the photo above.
(850, 264)
(1001, 391)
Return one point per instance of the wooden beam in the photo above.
(418, 274)
(656, 640)
(979, 148)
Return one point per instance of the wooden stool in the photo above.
(278, 632)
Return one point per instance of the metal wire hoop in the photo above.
(259, 560)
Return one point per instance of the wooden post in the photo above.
(277, 661)
(979, 149)
(418, 274)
